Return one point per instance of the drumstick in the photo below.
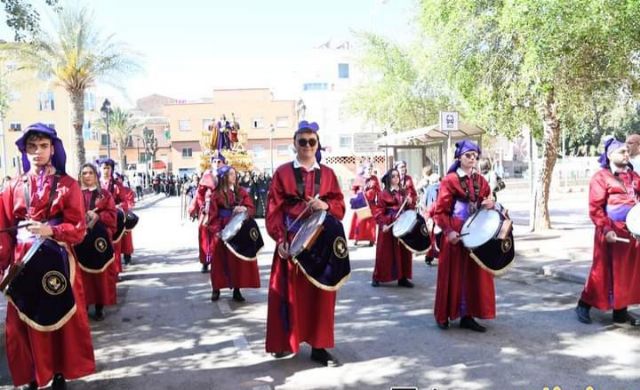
(20, 225)
(302, 213)
(399, 211)
(621, 239)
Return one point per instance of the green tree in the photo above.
(121, 126)
(76, 57)
(524, 63)
(398, 92)
(22, 17)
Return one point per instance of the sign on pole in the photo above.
(449, 121)
(365, 142)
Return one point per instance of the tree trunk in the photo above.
(121, 150)
(77, 100)
(551, 139)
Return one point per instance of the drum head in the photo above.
(233, 227)
(480, 228)
(307, 230)
(405, 223)
(633, 220)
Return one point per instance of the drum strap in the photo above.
(300, 182)
(92, 201)
(465, 187)
(52, 192)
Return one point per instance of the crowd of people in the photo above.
(46, 217)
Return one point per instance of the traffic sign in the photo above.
(449, 121)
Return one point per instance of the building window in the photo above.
(257, 123)
(206, 123)
(103, 140)
(89, 101)
(343, 71)
(282, 121)
(345, 141)
(46, 101)
(86, 130)
(315, 86)
(187, 152)
(283, 150)
(15, 126)
(184, 125)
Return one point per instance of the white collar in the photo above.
(90, 188)
(461, 172)
(297, 164)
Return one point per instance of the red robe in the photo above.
(118, 192)
(31, 354)
(227, 270)
(100, 288)
(297, 310)
(196, 208)
(463, 288)
(393, 260)
(365, 229)
(614, 280)
(406, 183)
(127, 238)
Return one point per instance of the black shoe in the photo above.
(280, 355)
(99, 314)
(59, 383)
(404, 282)
(471, 324)
(375, 283)
(428, 260)
(205, 268)
(215, 295)
(443, 325)
(323, 357)
(370, 243)
(237, 296)
(583, 314)
(31, 386)
(621, 316)
(127, 259)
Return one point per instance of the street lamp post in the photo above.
(106, 111)
(271, 131)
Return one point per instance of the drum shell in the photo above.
(42, 292)
(95, 253)
(247, 242)
(131, 220)
(418, 239)
(120, 229)
(325, 262)
(497, 254)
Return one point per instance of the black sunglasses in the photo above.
(307, 141)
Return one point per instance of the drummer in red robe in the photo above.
(197, 210)
(36, 357)
(99, 288)
(119, 194)
(228, 270)
(367, 184)
(463, 288)
(393, 260)
(127, 238)
(298, 311)
(614, 280)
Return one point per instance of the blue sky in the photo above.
(191, 46)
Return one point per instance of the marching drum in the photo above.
(242, 236)
(633, 221)
(131, 220)
(41, 292)
(489, 237)
(95, 252)
(360, 206)
(320, 249)
(121, 228)
(411, 230)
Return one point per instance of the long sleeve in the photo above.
(106, 208)
(215, 221)
(7, 241)
(246, 201)
(333, 195)
(598, 196)
(275, 209)
(70, 203)
(385, 201)
(444, 205)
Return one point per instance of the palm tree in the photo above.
(121, 126)
(76, 57)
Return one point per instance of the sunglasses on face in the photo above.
(307, 141)
(471, 155)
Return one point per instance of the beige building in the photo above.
(265, 123)
(32, 99)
